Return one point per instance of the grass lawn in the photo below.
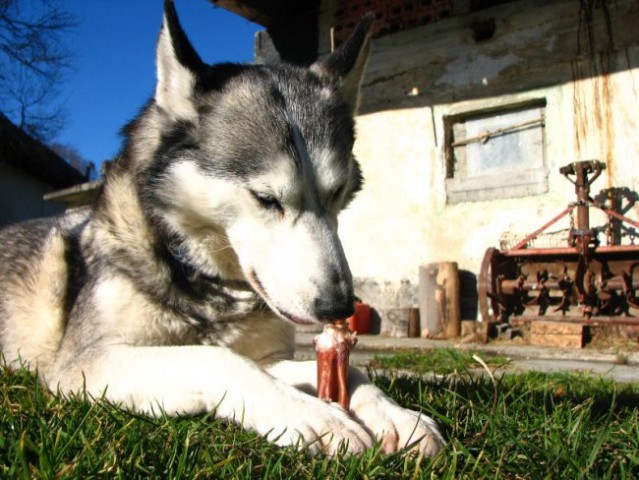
(520, 426)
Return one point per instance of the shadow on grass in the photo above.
(527, 425)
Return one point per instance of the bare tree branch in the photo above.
(33, 63)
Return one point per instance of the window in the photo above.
(496, 153)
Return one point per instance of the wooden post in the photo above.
(448, 279)
(440, 311)
(413, 322)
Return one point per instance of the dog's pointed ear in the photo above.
(348, 62)
(178, 65)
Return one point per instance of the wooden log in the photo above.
(440, 310)
(414, 329)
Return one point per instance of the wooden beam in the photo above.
(252, 11)
(291, 24)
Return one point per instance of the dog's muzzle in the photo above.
(334, 305)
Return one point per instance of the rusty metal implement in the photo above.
(582, 280)
(333, 348)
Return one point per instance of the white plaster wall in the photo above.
(400, 219)
(388, 226)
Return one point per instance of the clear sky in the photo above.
(114, 63)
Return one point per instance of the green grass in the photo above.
(520, 426)
(440, 361)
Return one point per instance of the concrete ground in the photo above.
(622, 367)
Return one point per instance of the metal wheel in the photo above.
(488, 305)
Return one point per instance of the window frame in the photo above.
(460, 188)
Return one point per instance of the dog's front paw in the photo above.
(318, 427)
(396, 428)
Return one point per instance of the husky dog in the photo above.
(214, 233)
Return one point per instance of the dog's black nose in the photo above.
(334, 307)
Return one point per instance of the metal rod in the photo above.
(484, 137)
(540, 252)
(594, 320)
(618, 216)
(533, 235)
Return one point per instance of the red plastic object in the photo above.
(360, 322)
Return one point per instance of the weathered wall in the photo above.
(584, 64)
(21, 197)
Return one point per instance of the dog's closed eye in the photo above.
(266, 201)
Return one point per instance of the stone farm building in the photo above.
(560, 76)
(469, 109)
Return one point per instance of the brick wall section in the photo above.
(390, 15)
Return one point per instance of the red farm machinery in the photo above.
(583, 279)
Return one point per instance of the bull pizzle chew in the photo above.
(333, 347)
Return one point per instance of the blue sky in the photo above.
(114, 63)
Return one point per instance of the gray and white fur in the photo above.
(214, 233)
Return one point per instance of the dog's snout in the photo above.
(334, 306)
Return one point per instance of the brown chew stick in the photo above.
(333, 347)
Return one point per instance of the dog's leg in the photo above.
(194, 379)
(393, 426)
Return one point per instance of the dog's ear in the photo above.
(347, 63)
(177, 67)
